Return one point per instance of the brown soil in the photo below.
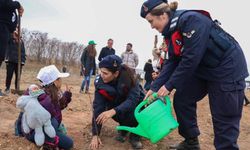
(77, 119)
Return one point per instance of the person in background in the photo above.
(64, 69)
(88, 65)
(108, 50)
(117, 93)
(11, 60)
(129, 57)
(8, 24)
(159, 55)
(155, 75)
(148, 69)
(200, 61)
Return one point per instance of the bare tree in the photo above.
(40, 48)
(52, 51)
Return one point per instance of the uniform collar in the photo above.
(109, 48)
(165, 32)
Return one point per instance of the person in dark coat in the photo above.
(8, 24)
(108, 50)
(12, 61)
(201, 59)
(148, 69)
(117, 93)
(88, 65)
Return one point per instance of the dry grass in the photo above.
(77, 118)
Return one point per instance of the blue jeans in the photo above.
(86, 80)
(65, 142)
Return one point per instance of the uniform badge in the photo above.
(178, 42)
(115, 64)
(13, 19)
(97, 79)
(145, 8)
(188, 34)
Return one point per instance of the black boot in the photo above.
(121, 136)
(187, 144)
(246, 101)
(135, 141)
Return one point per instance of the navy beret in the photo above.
(112, 62)
(148, 5)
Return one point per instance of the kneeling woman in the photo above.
(117, 93)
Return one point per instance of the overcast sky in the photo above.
(84, 20)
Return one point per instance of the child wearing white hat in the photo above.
(54, 101)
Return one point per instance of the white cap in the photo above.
(49, 74)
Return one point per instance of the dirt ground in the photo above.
(77, 119)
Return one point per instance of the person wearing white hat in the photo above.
(50, 75)
(54, 101)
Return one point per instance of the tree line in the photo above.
(42, 49)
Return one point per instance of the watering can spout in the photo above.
(136, 130)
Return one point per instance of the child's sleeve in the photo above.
(65, 100)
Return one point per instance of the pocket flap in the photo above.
(239, 85)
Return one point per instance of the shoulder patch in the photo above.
(188, 34)
(97, 79)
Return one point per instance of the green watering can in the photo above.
(155, 121)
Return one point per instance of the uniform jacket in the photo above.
(118, 95)
(8, 14)
(202, 40)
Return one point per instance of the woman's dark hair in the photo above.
(127, 74)
(164, 8)
(91, 50)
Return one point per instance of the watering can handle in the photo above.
(143, 103)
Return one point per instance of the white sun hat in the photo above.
(49, 74)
